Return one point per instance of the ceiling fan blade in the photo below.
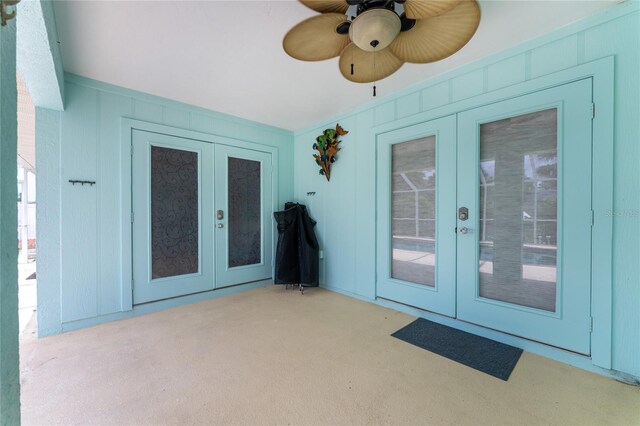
(326, 6)
(432, 39)
(363, 66)
(316, 39)
(420, 9)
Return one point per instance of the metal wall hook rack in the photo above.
(82, 182)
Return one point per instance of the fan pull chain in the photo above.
(374, 70)
(352, 59)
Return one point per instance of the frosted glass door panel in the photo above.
(172, 208)
(519, 210)
(245, 223)
(174, 212)
(244, 215)
(414, 211)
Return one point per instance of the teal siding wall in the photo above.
(80, 227)
(9, 359)
(345, 207)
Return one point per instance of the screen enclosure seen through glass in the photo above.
(519, 210)
(414, 211)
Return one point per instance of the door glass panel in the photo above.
(413, 213)
(245, 206)
(174, 212)
(519, 210)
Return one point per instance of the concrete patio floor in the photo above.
(270, 356)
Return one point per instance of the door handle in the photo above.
(220, 225)
(464, 230)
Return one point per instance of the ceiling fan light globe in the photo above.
(381, 25)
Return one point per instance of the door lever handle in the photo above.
(464, 230)
(220, 225)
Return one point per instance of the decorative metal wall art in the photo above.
(327, 146)
(4, 15)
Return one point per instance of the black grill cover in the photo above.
(297, 250)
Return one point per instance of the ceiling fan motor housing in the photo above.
(375, 29)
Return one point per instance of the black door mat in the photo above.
(486, 355)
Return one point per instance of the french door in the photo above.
(416, 215)
(521, 218)
(199, 216)
(524, 253)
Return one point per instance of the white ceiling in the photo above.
(227, 55)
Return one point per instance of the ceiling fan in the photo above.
(375, 37)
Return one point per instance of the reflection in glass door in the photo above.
(244, 228)
(416, 195)
(524, 253)
(518, 210)
(413, 218)
(171, 197)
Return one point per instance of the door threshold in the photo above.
(481, 326)
(524, 338)
(415, 307)
(212, 290)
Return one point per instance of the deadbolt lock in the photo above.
(463, 213)
(219, 215)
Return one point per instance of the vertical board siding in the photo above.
(365, 196)
(555, 56)
(48, 219)
(176, 118)
(506, 73)
(109, 295)
(147, 111)
(9, 356)
(308, 180)
(408, 105)
(342, 220)
(436, 96)
(468, 85)
(80, 267)
(385, 113)
(202, 123)
(617, 36)
(78, 204)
